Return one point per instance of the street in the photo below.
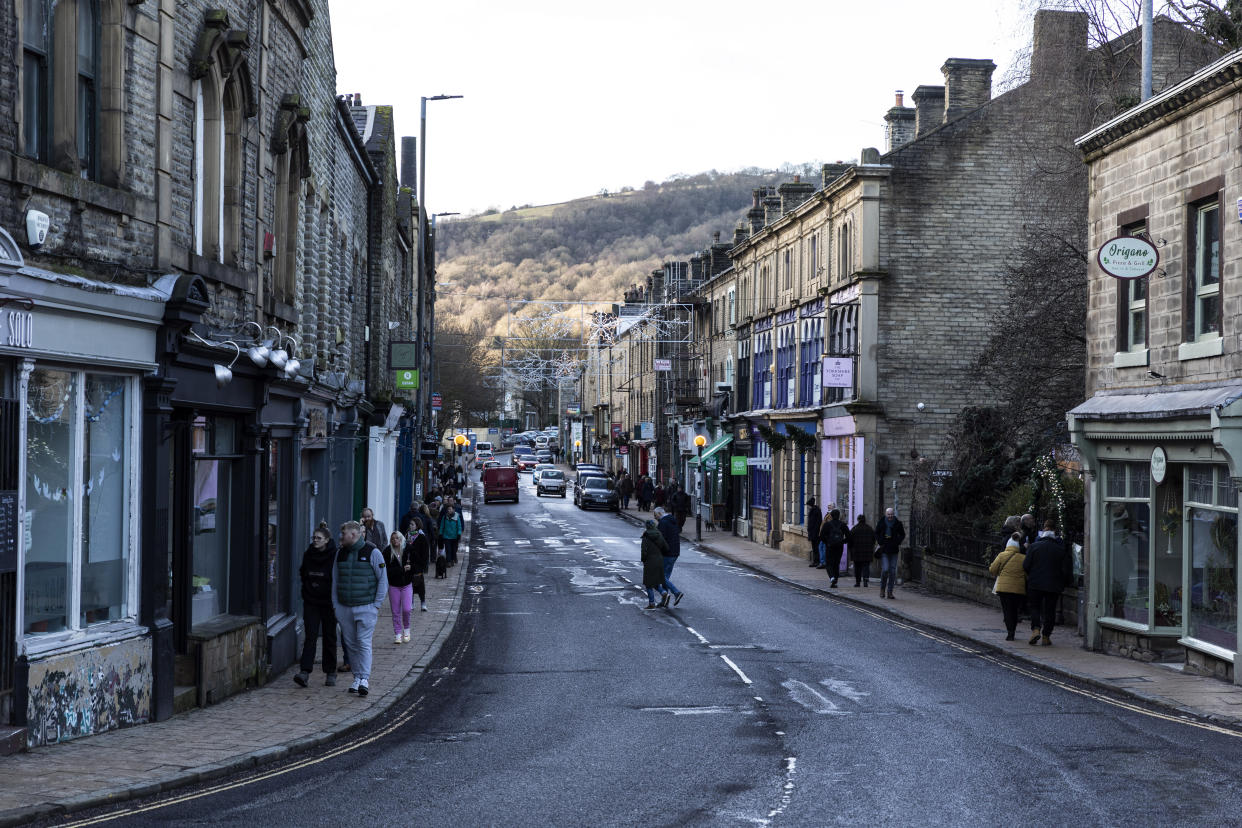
(559, 700)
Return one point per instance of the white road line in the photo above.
(810, 698)
(522, 542)
(695, 633)
(491, 543)
(736, 669)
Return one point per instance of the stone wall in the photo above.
(974, 583)
(231, 654)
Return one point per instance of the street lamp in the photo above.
(577, 451)
(460, 440)
(699, 442)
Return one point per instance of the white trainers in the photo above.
(424, 607)
(396, 639)
(405, 637)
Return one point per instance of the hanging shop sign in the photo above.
(407, 380)
(436, 402)
(838, 372)
(1128, 257)
(1159, 465)
(737, 466)
(646, 430)
(402, 354)
(662, 365)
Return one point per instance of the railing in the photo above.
(965, 548)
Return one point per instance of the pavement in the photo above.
(1164, 686)
(268, 724)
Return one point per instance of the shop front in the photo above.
(73, 353)
(1162, 509)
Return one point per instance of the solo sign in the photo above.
(1128, 257)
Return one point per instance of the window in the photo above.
(1203, 278)
(1127, 525)
(732, 306)
(1212, 520)
(788, 269)
(845, 261)
(786, 381)
(35, 77)
(1132, 304)
(214, 446)
(87, 99)
(812, 350)
(815, 255)
(79, 499)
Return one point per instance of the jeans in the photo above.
(400, 601)
(823, 554)
(625, 501)
(669, 563)
(319, 621)
(357, 628)
(651, 594)
(888, 572)
(1043, 610)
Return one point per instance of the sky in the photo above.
(564, 99)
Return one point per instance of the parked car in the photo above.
(552, 481)
(540, 468)
(589, 467)
(594, 492)
(482, 456)
(526, 462)
(500, 483)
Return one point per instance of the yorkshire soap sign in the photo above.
(1128, 257)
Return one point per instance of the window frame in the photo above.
(1127, 304)
(1195, 292)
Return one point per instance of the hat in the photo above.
(810, 501)
(650, 524)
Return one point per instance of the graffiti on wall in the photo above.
(89, 691)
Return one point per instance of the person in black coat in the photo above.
(317, 614)
(862, 551)
(671, 533)
(418, 549)
(835, 535)
(814, 522)
(889, 533)
(1049, 569)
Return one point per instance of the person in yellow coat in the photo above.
(1010, 582)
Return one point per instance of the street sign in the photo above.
(663, 365)
(737, 466)
(407, 380)
(435, 402)
(573, 410)
(623, 450)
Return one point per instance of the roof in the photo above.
(1142, 404)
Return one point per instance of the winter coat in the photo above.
(647, 490)
(1049, 565)
(627, 486)
(653, 550)
(862, 543)
(835, 534)
(359, 578)
(396, 563)
(1008, 569)
(680, 502)
(889, 536)
(657, 497)
(376, 535)
(316, 573)
(671, 533)
(419, 549)
(450, 528)
(814, 522)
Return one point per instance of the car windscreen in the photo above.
(598, 483)
(552, 474)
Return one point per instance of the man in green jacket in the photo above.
(359, 585)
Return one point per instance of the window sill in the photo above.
(1130, 359)
(1123, 625)
(1210, 649)
(1203, 348)
(113, 632)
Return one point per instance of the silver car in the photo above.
(551, 481)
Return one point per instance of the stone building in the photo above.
(190, 361)
(1157, 432)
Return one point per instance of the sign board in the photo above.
(1128, 257)
(402, 355)
(737, 466)
(838, 372)
(623, 450)
(8, 531)
(394, 416)
(575, 431)
(407, 380)
(436, 402)
(428, 448)
(573, 410)
(616, 431)
(646, 430)
(662, 364)
(1159, 465)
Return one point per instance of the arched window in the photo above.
(290, 155)
(845, 252)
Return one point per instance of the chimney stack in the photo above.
(409, 163)
(898, 125)
(740, 233)
(771, 209)
(928, 109)
(831, 172)
(1059, 48)
(794, 193)
(967, 84)
(755, 214)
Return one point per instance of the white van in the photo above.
(541, 441)
(483, 446)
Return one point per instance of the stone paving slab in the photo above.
(254, 727)
(1154, 684)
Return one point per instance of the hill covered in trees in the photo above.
(590, 249)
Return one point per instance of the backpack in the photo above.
(834, 533)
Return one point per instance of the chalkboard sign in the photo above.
(8, 531)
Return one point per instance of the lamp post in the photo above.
(577, 451)
(699, 442)
(460, 440)
(421, 277)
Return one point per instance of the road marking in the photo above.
(695, 711)
(521, 542)
(810, 698)
(695, 633)
(491, 543)
(844, 688)
(732, 646)
(736, 669)
(791, 769)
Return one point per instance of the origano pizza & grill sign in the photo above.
(1128, 257)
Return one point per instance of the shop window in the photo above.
(1203, 305)
(79, 504)
(1127, 518)
(1212, 519)
(213, 441)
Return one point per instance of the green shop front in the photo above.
(1162, 521)
(714, 489)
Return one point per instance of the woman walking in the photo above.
(451, 529)
(317, 613)
(400, 590)
(646, 491)
(419, 549)
(1010, 581)
(862, 551)
(653, 548)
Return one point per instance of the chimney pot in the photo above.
(900, 98)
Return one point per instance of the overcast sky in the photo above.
(565, 98)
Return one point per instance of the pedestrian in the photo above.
(814, 522)
(646, 493)
(652, 555)
(1010, 572)
(625, 489)
(1029, 529)
(1049, 568)
(680, 506)
(671, 532)
(403, 525)
(400, 570)
(359, 584)
(419, 547)
(450, 528)
(373, 531)
(862, 551)
(835, 535)
(317, 614)
(1012, 525)
(889, 534)
(659, 495)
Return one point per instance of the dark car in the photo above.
(597, 492)
(543, 456)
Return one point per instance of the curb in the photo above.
(1163, 704)
(273, 753)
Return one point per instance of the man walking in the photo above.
(373, 531)
(668, 527)
(835, 535)
(680, 505)
(862, 550)
(359, 586)
(1049, 567)
(625, 489)
(889, 535)
(814, 521)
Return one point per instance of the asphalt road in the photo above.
(560, 701)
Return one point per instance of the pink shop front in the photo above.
(843, 482)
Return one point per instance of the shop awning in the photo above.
(1157, 404)
(708, 451)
